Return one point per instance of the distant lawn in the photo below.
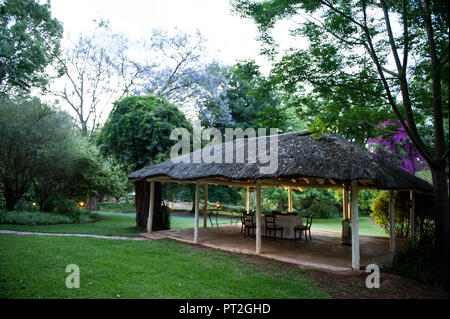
(128, 208)
(366, 227)
(109, 225)
(115, 224)
(180, 222)
(34, 267)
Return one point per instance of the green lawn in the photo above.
(109, 225)
(34, 267)
(366, 227)
(125, 225)
(128, 208)
(180, 222)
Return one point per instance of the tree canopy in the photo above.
(388, 56)
(42, 154)
(29, 41)
(137, 132)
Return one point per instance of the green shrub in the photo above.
(322, 210)
(30, 218)
(420, 264)
(63, 206)
(24, 206)
(380, 212)
(38, 218)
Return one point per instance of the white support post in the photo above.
(197, 199)
(205, 208)
(290, 199)
(258, 217)
(247, 199)
(355, 226)
(412, 216)
(392, 245)
(151, 206)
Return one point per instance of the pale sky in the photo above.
(229, 37)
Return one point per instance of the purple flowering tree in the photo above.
(395, 146)
(182, 74)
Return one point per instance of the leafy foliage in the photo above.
(43, 154)
(29, 131)
(364, 62)
(251, 101)
(29, 41)
(380, 213)
(138, 129)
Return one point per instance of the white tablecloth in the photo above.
(287, 222)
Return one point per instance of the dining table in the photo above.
(287, 221)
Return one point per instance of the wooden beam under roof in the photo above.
(269, 183)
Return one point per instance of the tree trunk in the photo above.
(10, 198)
(440, 198)
(281, 205)
(92, 203)
(142, 190)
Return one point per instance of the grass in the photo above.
(366, 227)
(34, 267)
(125, 225)
(109, 225)
(180, 222)
(127, 208)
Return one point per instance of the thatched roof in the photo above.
(303, 160)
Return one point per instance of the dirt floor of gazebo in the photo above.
(325, 251)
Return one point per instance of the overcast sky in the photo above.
(229, 37)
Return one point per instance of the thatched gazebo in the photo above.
(303, 161)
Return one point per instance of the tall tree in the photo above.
(29, 41)
(29, 131)
(402, 59)
(97, 71)
(137, 134)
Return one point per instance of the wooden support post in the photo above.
(205, 208)
(247, 199)
(345, 203)
(151, 206)
(392, 222)
(197, 199)
(290, 199)
(258, 217)
(355, 226)
(349, 205)
(412, 216)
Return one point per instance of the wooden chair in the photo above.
(271, 226)
(304, 228)
(248, 224)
